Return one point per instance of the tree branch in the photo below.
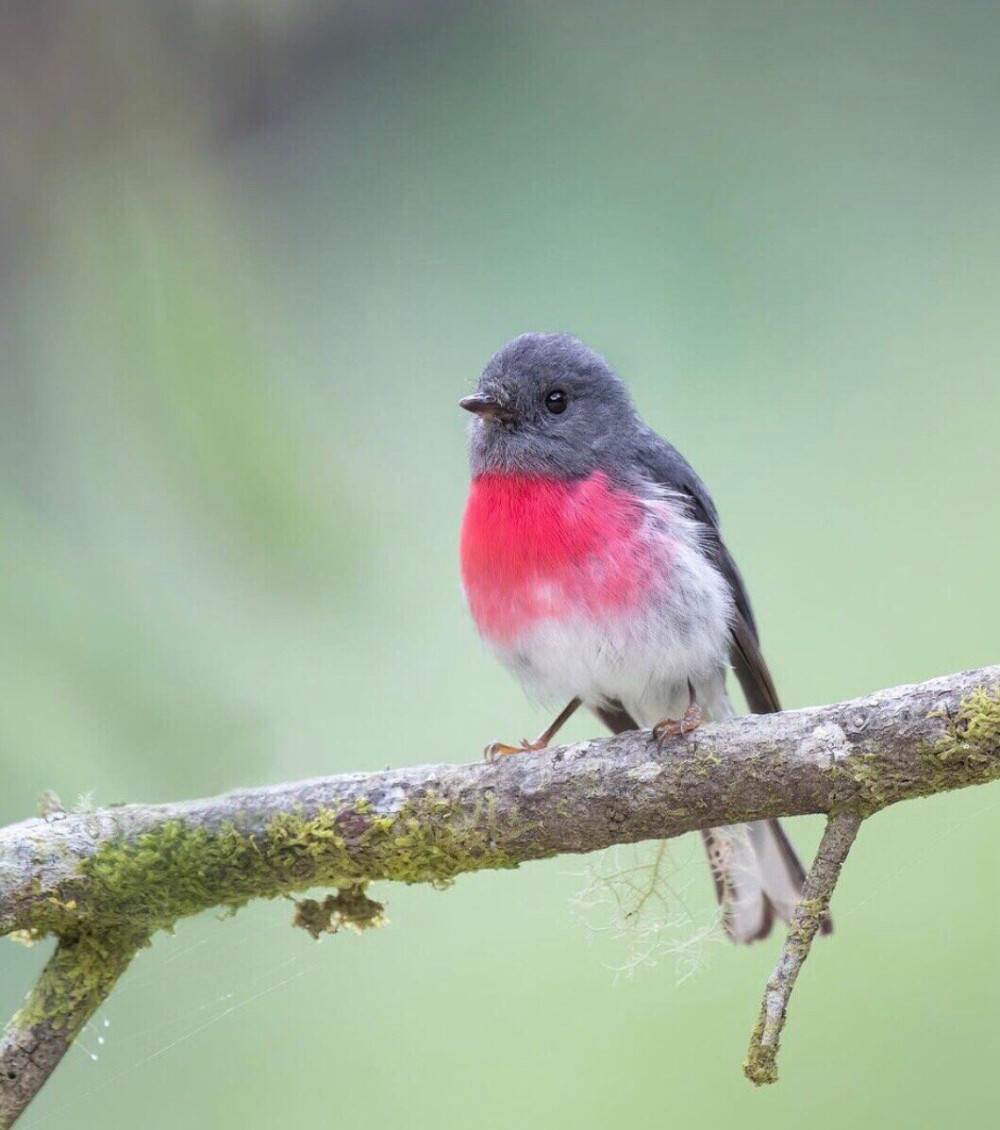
(105, 881)
(75, 981)
(761, 1062)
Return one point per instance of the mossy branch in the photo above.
(77, 978)
(103, 882)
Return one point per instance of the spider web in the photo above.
(223, 969)
(636, 906)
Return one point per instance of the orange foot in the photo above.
(671, 728)
(498, 749)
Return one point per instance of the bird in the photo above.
(594, 568)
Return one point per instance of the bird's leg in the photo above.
(673, 728)
(498, 749)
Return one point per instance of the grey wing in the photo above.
(670, 469)
(773, 858)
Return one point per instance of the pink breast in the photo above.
(538, 548)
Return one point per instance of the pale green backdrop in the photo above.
(252, 256)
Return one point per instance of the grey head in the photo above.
(547, 405)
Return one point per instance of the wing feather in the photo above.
(670, 469)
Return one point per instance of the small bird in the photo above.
(594, 568)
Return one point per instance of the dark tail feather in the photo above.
(757, 874)
(758, 877)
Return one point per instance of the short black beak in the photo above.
(484, 406)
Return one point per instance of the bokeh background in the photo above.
(251, 254)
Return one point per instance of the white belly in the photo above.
(642, 657)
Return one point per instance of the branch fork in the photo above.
(103, 882)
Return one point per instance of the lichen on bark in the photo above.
(174, 870)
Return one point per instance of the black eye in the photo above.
(556, 401)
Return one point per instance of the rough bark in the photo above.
(54, 1014)
(105, 881)
(761, 1062)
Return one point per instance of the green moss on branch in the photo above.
(967, 753)
(79, 975)
(350, 907)
(175, 870)
(971, 743)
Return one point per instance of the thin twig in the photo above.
(75, 981)
(761, 1062)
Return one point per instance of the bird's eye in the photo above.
(556, 401)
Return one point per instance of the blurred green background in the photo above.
(251, 254)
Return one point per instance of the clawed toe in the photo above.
(675, 728)
(499, 749)
(496, 749)
(543, 741)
